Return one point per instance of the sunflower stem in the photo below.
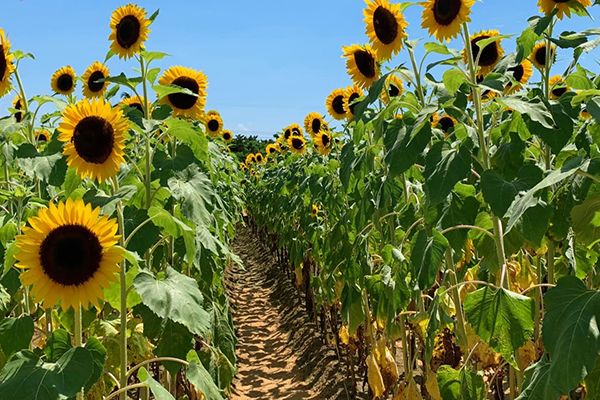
(148, 181)
(462, 337)
(417, 75)
(78, 337)
(25, 105)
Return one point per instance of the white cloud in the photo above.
(244, 127)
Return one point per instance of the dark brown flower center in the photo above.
(94, 139)
(559, 91)
(3, 63)
(92, 81)
(42, 137)
(297, 144)
(489, 54)
(18, 115)
(137, 106)
(338, 104)
(128, 31)
(446, 11)
(445, 124)
(393, 91)
(351, 99)
(561, 1)
(259, 158)
(70, 255)
(517, 72)
(287, 134)
(226, 135)
(385, 24)
(316, 125)
(213, 125)
(296, 132)
(65, 82)
(540, 55)
(325, 139)
(365, 62)
(184, 101)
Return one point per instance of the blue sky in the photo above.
(269, 62)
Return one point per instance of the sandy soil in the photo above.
(280, 353)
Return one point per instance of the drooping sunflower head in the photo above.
(183, 104)
(68, 254)
(489, 56)
(351, 94)
(213, 123)
(6, 64)
(259, 158)
(42, 136)
(18, 105)
(335, 104)
(323, 143)
(394, 88)
(445, 122)
(520, 73)
(135, 103)
(271, 149)
(94, 133)
(297, 144)
(385, 27)
(361, 63)
(63, 81)
(314, 123)
(443, 18)
(250, 159)
(538, 54)
(295, 130)
(314, 211)
(92, 88)
(558, 87)
(547, 6)
(227, 136)
(129, 30)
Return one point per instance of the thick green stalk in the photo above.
(25, 106)
(78, 338)
(417, 76)
(148, 179)
(460, 317)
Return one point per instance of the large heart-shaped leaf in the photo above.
(15, 334)
(460, 385)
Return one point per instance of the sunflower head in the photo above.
(6, 64)
(314, 123)
(351, 94)
(314, 211)
(213, 123)
(227, 136)
(94, 73)
(135, 103)
(259, 158)
(443, 18)
(362, 66)
(129, 30)
(271, 149)
(68, 254)
(538, 54)
(250, 159)
(295, 130)
(18, 105)
(243, 167)
(547, 6)
(297, 144)
(520, 73)
(42, 136)
(558, 87)
(335, 104)
(183, 104)
(445, 122)
(394, 88)
(63, 81)
(94, 133)
(323, 143)
(385, 27)
(489, 56)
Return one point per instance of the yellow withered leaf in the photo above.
(408, 391)
(374, 376)
(432, 386)
(344, 335)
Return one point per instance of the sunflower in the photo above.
(95, 136)
(394, 87)
(361, 64)
(213, 123)
(297, 144)
(134, 102)
(250, 159)
(18, 105)
(243, 167)
(227, 136)
(444, 18)
(490, 55)
(91, 87)
(547, 6)
(385, 27)
(558, 87)
(282, 143)
(271, 149)
(350, 95)
(259, 158)
(538, 54)
(314, 211)
(129, 30)
(68, 254)
(42, 136)
(323, 143)
(63, 81)
(314, 123)
(6, 64)
(335, 104)
(295, 130)
(520, 73)
(183, 104)
(445, 122)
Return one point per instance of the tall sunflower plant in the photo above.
(453, 225)
(116, 224)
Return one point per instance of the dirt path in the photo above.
(280, 354)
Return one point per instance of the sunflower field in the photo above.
(442, 224)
